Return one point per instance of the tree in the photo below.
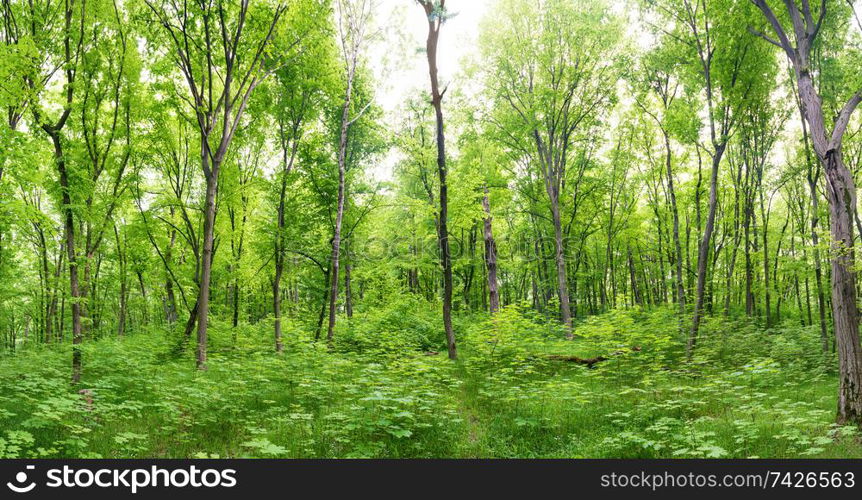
(729, 70)
(797, 42)
(659, 80)
(353, 33)
(222, 61)
(435, 10)
(72, 40)
(300, 91)
(551, 66)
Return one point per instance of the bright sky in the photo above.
(399, 62)
(398, 57)
(406, 29)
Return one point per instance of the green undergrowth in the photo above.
(387, 389)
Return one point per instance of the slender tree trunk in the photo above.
(121, 260)
(680, 282)
(280, 251)
(812, 176)
(69, 229)
(636, 294)
(323, 305)
(171, 314)
(749, 268)
(276, 305)
(235, 319)
(703, 253)
(434, 23)
(146, 314)
(339, 216)
(764, 217)
(348, 286)
(122, 313)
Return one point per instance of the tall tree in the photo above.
(222, 59)
(435, 10)
(660, 81)
(299, 92)
(797, 42)
(727, 69)
(353, 33)
(552, 68)
(72, 43)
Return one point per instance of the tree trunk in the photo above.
(348, 289)
(703, 253)
(434, 23)
(812, 176)
(764, 218)
(339, 216)
(842, 203)
(749, 268)
(287, 166)
(841, 193)
(276, 304)
(171, 314)
(560, 259)
(74, 286)
(146, 314)
(490, 256)
(680, 283)
(323, 305)
(235, 319)
(206, 261)
(636, 294)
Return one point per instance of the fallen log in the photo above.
(589, 362)
(574, 359)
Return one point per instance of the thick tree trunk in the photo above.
(560, 259)
(490, 256)
(206, 262)
(841, 193)
(842, 203)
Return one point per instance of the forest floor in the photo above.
(504, 397)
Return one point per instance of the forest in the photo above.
(430, 229)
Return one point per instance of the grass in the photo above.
(748, 393)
